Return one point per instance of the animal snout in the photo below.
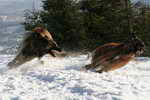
(57, 49)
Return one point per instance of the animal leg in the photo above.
(88, 66)
(19, 60)
(100, 71)
(41, 61)
(52, 53)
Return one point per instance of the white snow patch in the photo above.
(61, 79)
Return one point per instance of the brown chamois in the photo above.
(36, 44)
(112, 56)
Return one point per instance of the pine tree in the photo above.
(64, 19)
(105, 20)
(90, 23)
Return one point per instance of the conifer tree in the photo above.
(87, 24)
(64, 19)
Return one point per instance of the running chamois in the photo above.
(36, 43)
(111, 56)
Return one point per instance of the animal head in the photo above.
(137, 44)
(47, 35)
(43, 32)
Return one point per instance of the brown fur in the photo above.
(112, 56)
(36, 44)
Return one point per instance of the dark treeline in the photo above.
(85, 24)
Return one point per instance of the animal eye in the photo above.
(46, 37)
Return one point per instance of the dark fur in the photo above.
(112, 56)
(34, 45)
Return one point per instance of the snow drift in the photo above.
(61, 79)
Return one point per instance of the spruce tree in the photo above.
(90, 23)
(64, 19)
(105, 20)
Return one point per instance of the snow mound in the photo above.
(61, 79)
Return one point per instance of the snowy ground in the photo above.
(61, 79)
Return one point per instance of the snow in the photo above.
(61, 79)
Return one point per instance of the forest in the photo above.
(82, 25)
